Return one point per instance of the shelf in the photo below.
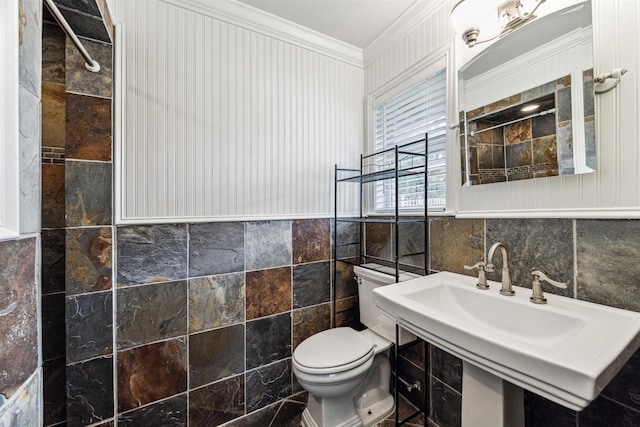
(385, 174)
(381, 220)
(403, 161)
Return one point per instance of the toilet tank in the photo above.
(370, 276)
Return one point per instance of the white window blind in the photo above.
(405, 118)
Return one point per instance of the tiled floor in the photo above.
(288, 413)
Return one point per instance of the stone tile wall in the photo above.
(20, 367)
(208, 315)
(597, 258)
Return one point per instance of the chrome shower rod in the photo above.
(89, 64)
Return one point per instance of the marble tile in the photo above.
(216, 301)
(518, 154)
(289, 415)
(411, 374)
(30, 125)
(564, 144)
(30, 48)
(563, 104)
(89, 321)
(216, 248)
(87, 6)
(543, 126)
(607, 262)
(53, 54)
(88, 260)
(25, 407)
(86, 26)
(348, 313)
(540, 412)
(517, 132)
(53, 115)
(259, 418)
(53, 261)
(447, 368)
(588, 93)
(625, 386)
(268, 384)
(503, 103)
(151, 253)
(151, 372)
(416, 354)
(88, 127)
(18, 313)
(217, 403)
(53, 195)
(455, 243)
(539, 91)
(311, 284)
(545, 150)
(170, 412)
(88, 193)
(604, 412)
(446, 409)
(311, 240)
(151, 313)
(89, 391)
(54, 385)
(378, 240)
(53, 322)
(346, 283)
(268, 340)
(411, 240)
(267, 244)
(309, 321)
(347, 239)
(216, 354)
(79, 79)
(268, 292)
(534, 244)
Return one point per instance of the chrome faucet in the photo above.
(507, 289)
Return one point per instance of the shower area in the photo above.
(76, 211)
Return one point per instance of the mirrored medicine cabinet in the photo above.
(527, 101)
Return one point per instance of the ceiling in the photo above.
(355, 22)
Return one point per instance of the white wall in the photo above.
(612, 191)
(227, 120)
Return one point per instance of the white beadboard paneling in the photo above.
(613, 190)
(226, 122)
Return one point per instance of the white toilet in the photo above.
(347, 373)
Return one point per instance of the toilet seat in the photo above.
(333, 351)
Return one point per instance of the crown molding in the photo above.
(403, 26)
(256, 20)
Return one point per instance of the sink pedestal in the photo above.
(490, 401)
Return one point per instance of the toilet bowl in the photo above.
(347, 373)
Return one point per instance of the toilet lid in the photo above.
(332, 348)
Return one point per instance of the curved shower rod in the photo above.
(89, 64)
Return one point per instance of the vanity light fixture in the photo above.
(479, 21)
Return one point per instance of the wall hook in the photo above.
(607, 81)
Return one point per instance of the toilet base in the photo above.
(337, 412)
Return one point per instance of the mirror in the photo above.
(527, 101)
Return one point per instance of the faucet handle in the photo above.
(482, 277)
(538, 296)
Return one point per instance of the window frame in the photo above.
(429, 66)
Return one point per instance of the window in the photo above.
(406, 118)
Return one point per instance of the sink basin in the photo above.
(567, 350)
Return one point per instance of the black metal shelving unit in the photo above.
(396, 165)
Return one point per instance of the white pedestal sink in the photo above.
(566, 351)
